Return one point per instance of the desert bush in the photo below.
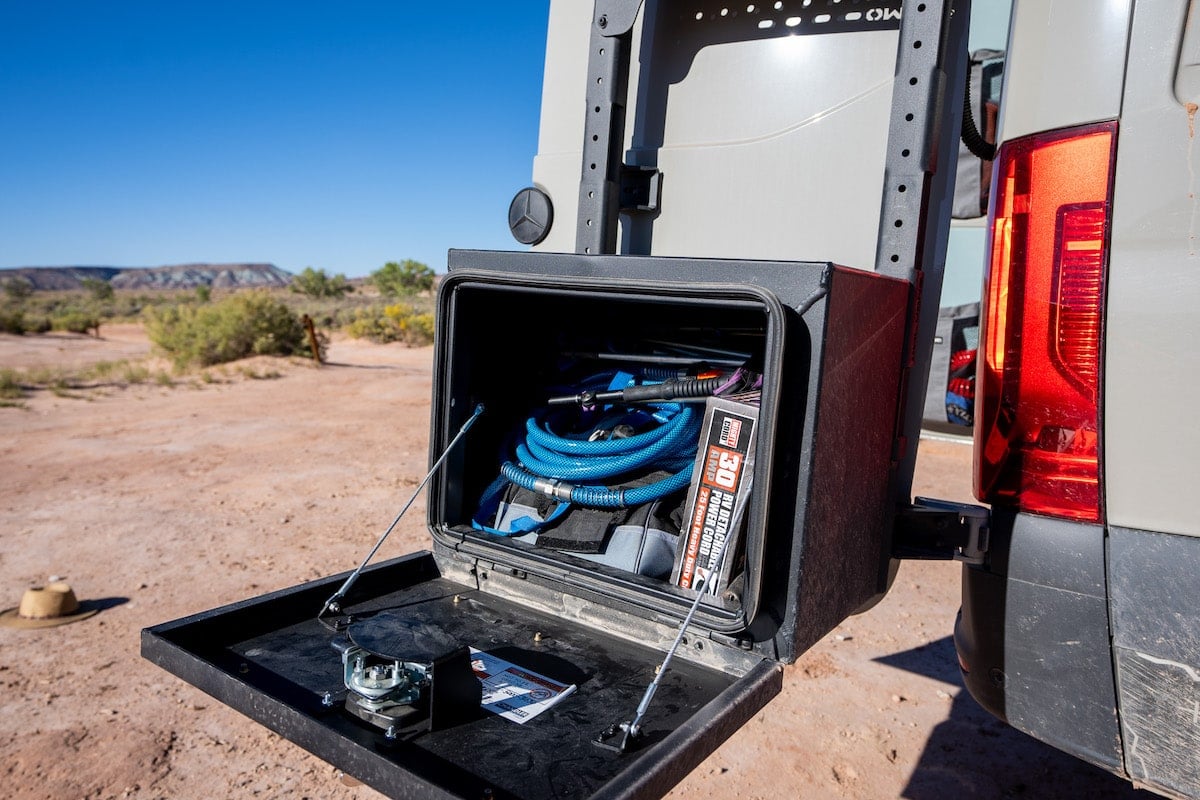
(102, 370)
(394, 323)
(369, 323)
(61, 387)
(329, 312)
(316, 283)
(38, 324)
(123, 305)
(241, 325)
(75, 321)
(203, 293)
(415, 328)
(407, 277)
(12, 320)
(10, 385)
(18, 288)
(99, 289)
(135, 374)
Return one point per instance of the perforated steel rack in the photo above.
(918, 181)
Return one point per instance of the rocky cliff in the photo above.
(180, 276)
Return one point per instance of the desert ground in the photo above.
(160, 501)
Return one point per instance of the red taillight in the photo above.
(1037, 418)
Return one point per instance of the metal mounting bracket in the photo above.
(639, 189)
(616, 17)
(941, 530)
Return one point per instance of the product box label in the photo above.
(717, 497)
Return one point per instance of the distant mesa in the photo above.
(180, 276)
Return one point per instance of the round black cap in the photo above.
(530, 216)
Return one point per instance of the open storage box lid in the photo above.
(833, 346)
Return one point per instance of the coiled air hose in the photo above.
(563, 453)
(549, 461)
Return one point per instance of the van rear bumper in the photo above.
(1033, 635)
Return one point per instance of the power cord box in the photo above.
(716, 503)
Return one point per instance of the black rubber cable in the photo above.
(979, 147)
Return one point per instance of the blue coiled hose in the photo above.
(545, 453)
(548, 461)
(554, 461)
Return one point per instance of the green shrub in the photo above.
(12, 321)
(415, 328)
(38, 325)
(62, 388)
(18, 288)
(102, 370)
(395, 323)
(315, 283)
(10, 385)
(99, 289)
(244, 324)
(370, 323)
(75, 321)
(135, 374)
(404, 278)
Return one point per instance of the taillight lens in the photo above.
(1037, 416)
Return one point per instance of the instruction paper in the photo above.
(512, 692)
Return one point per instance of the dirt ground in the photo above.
(163, 501)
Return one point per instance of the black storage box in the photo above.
(815, 537)
(820, 510)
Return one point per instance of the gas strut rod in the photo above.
(332, 604)
(630, 732)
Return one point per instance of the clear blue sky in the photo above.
(332, 135)
(302, 133)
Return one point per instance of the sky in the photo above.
(340, 136)
(333, 135)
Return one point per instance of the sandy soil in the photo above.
(161, 502)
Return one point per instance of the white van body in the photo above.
(1086, 634)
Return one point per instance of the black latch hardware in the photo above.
(639, 188)
(941, 530)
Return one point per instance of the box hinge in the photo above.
(639, 189)
(940, 529)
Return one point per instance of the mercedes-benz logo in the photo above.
(530, 216)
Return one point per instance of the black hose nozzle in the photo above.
(581, 399)
(672, 389)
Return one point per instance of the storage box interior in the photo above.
(511, 347)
